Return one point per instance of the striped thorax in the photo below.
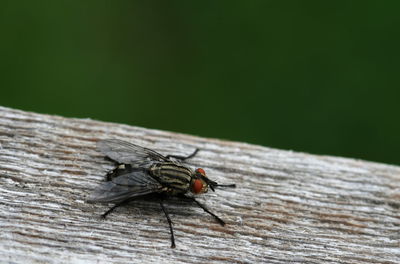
(178, 178)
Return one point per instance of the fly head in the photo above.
(200, 183)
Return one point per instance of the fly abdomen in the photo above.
(118, 171)
(171, 175)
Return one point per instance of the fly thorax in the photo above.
(175, 177)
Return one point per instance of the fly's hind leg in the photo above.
(114, 207)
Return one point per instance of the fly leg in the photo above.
(182, 158)
(115, 206)
(169, 223)
(219, 220)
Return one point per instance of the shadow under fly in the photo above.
(142, 173)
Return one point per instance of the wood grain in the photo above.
(288, 208)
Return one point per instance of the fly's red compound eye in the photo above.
(201, 171)
(197, 186)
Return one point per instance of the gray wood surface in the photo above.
(288, 207)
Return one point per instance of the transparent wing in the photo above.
(128, 153)
(133, 184)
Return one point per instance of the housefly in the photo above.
(142, 172)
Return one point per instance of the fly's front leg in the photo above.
(219, 220)
(182, 158)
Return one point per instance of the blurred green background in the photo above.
(314, 76)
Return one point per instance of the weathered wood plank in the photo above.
(288, 207)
